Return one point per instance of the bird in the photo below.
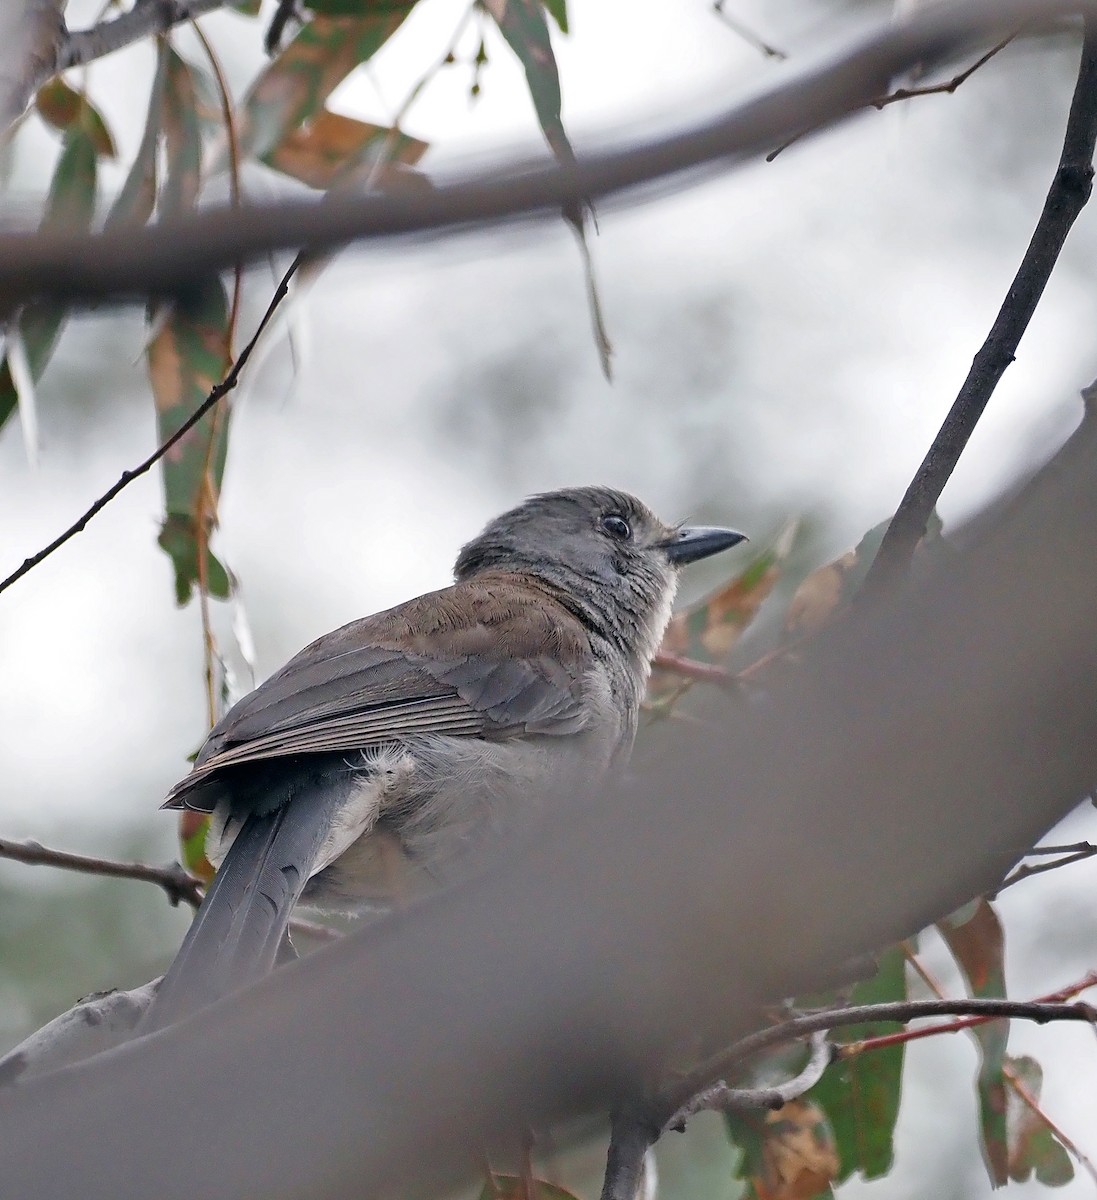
(390, 757)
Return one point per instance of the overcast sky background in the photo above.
(788, 338)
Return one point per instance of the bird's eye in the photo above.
(617, 527)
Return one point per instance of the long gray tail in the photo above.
(236, 933)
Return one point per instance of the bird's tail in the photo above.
(236, 933)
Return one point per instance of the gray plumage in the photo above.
(397, 753)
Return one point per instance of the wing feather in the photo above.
(469, 661)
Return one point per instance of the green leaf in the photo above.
(975, 938)
(187, 358)
(182, 138)
(294, 87)
(525, 29)
(248, 8)
(137, 198)
(1033, 1144)
(860, 1094)
(558, 10)
(63, 107)
(193, 827)
(71, 205)
(330, 146)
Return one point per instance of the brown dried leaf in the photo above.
(799, 1155)
(331, 145)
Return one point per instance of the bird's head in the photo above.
(602, 548)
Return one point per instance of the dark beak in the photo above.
(699, 541)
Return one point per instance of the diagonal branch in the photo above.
(1067, 196)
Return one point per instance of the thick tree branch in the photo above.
(170, 255)
(95, 1024)
(1070, 189)
(752, 854)
(144, 19)
(37, 46)
(29, 33)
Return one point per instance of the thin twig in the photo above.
(794, 1028)
(127, 477)
(884, 1040)
(934, 89)
(721, 1098)
(177, 884)
(950, 86)
(1070, 855)
(746, 33)
(1067, 196)
(691, 668)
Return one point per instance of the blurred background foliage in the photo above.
(782, 341)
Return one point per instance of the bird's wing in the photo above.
(490, 657)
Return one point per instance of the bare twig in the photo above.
(950, 85)
(177, 884)
(678, 1097)
(1079, 852)
(127, 477)
(164, 257)
(882, 1041)
(718, 1097)
(746, 33)
(1069, 191)
(935, 89)
(691, 668)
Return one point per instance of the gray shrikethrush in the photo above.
(417, 738)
